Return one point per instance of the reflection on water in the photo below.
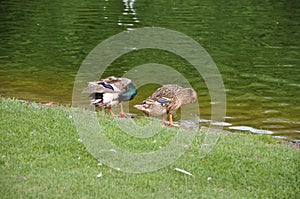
(128, 18)
(256, 48)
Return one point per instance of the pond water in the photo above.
(254, 44)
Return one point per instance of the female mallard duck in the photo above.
(166, 100)
(110, 92)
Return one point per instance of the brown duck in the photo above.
(166, 100)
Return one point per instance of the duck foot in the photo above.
(174, 125)
(171, 124)
(123, 115)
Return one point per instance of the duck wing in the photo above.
(167, 95)
(124, 86)
(98, 87)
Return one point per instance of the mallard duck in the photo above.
(111, 91)
(166, 100)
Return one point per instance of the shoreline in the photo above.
(287, 142)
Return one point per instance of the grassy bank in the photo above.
(42, 157)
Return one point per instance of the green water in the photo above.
(255, 45)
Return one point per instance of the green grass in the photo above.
(42, 157)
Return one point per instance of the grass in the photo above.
(42, 157)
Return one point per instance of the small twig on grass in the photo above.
(183, 171)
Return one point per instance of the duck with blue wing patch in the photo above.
(166, 100)
(110, 92)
